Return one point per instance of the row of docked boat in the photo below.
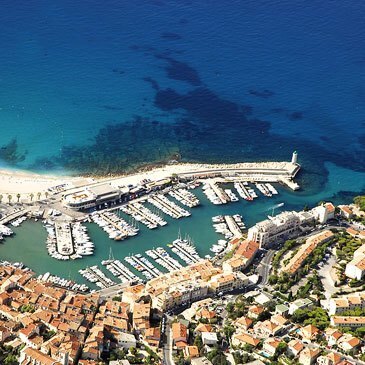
(267, 189)
(229, 226)
(81, 240)
(186, 250)
(219, 246)
(17, 222)
(210, 194)
(244, 191)
(63, 283)
(96, 276)
(5, 231)
(142, 214)
(185, 197)
(121, 271)
(142, 265)
(231, 195)
(67, 241)
(168, 207)
(164, 259)
(116, 227)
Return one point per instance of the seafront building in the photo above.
(286, 224)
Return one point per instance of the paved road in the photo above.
(326, 279)
(112, 291)
(263, 269)
(167, 350)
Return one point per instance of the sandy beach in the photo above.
(23, 182)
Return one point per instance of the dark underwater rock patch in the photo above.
(294, 116)
(171, 36)
(153, 82)
(265, 93)
(10, 153)
(181, 71)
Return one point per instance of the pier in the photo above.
(143, 215)
(14, 215)
(120, 271)
(168, 206)
(153, 272)
(242, 191)
(185, 197)
(64, 239)
(120, 228)
(233, 227)
(170, 264)
(183, 251)
(219, 192)
(95, 275)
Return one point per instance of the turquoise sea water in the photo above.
(96, 87)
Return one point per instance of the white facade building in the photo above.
(274, 229)
(355, 269)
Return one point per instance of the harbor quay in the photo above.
(122, 190)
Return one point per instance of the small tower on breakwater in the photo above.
(294, 158)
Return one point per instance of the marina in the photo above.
(113, 219)
(120, 271)
(168, 207)
(63, 283)
(185, 197)
(142, 214)
(164, 259)
(96, 276)
(117, 228)
(185, 250)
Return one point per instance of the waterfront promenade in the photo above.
(32, 186)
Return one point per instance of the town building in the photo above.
(355, 269)
(346, 303)
(346, 211)
(305, 250)
(274, 229)
(270, 345)
(300, 304)
(35, 357)
(332, 358)
(347, 321)
(308, 356)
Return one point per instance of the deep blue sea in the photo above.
(106, 86)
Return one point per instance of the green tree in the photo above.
(18, 197)
(1, 198)
(9, 198)
(228, 331)
(31, 195)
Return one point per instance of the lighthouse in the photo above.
(294, 158)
